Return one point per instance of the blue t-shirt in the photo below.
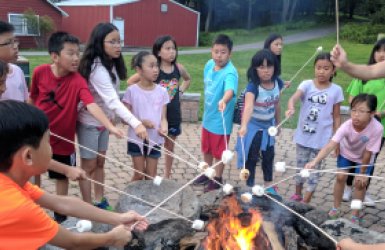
(216, 83)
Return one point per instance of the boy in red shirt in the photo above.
(59, 90)
(26, 151)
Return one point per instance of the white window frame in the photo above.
(24, 25)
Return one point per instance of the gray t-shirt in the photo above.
(315, 122)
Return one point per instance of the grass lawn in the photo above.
(294, 56)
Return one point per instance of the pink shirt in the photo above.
(147, 105)
(16, 86)
(353, 143)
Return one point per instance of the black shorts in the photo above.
(134, 150)
(65, 159)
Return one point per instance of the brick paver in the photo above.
(118, 176)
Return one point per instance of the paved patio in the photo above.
(118, 176)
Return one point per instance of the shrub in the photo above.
(365, 33)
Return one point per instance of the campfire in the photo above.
(236, 229)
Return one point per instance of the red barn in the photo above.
(140, 21)
(12, 12)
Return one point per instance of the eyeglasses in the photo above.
(359, 112)
(11, 43)
(51, 97)
(115, 43)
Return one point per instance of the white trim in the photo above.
(24, 25)
(184, 6)
(57, 8)
(96, 2)
(198, 25)
(111, 13)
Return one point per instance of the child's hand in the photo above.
(310, 165)
(75, 174)
(131, 217)
(242, 131)
(120, 236)
(347, 244)
(361, 181)
(287, 84)
(336, 152)
(117, 132)
(141, 132)
(221, 105)
(289, 112)
(148, 124)
(338, 56)
(163, 130)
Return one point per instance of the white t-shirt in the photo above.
(16, 86)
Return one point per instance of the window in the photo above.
(23, 26)
(163, 8)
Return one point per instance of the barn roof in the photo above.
(94, 2)
(57, 8)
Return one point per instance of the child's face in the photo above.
(150, 68)
(3, 87)
(323, 71)
(265, 72)
(68, 58)
(112, 44)
(379, 55)
(276, 46)
(361, 114)
(168, 51)
(221, 55)
(42, 155)
(9, 47)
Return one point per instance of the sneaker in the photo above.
(347, 193)
(273, 191)
(356, 220)
(368, 201)
(213, 185)
(103, 204)
(202, 180)
(334, 213)
(59, 218)
(296, 197)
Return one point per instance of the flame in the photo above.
(227, 232)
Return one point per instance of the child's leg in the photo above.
(252, 158)
(313, 179)
(267, 165)
(151, 166)
(360, 187)
(339, 188)
(169, 145)
(139, 165)
(99, 176)
(208, 158)
(88, 165)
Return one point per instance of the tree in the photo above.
(44, 25)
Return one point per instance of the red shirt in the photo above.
(59, 98)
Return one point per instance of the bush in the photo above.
(206, 39)
(365, 33)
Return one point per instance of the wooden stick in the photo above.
(337, 22)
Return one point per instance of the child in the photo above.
(166, 51)
(57, 89)
(16, 85)
(102, 65)
(319, 118)
(147, 101)
(274, 43)
(3, 76)
(359, 139)
(220, 90)
(26, 151)
(261, 111)
(375, 87)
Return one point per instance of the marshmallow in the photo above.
(202, 166)
(319, 49)
(228, 189)
(305, 173)
(227, 156)
(280, 166)
(258, 190)
(157, 180)
(273, 131)
(198, 224)
(244, 174)
(246, 197)
(83, 226)
(210, 172)
(356, 204)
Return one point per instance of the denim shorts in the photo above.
(92, 137)
(305, 155)
(134, 150)
(174, 130)
(342, 162)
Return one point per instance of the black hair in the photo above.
(95, 49)
(371, 101)
(257, 60)
(325, 56)
(57, 40)
(21, 125)
(3, 68)
(223, 39)
(269, 40)
(380, 44)
(6, 27)
(158, 46)
(137, 60)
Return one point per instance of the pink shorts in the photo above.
(213, 144)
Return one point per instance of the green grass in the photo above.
(294, 56)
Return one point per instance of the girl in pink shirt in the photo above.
(359, 139)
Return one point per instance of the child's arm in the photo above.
(247, 111)
(72, 173)
(164, 124)
(349, 244)
(225, 99)
(336, 116)
(363, 180)
(277, 114)
(325, 151)
(186, 78)
(133, 79)
(98, 113)
(291, 103)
